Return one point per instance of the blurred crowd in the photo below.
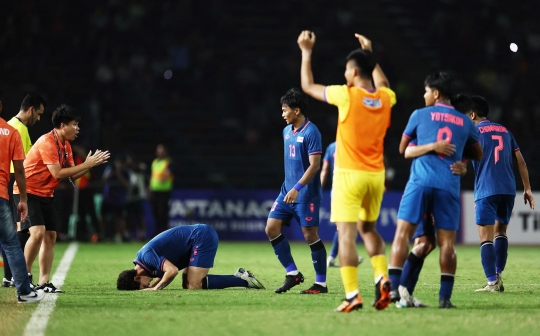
(187, 66)
(107, 205)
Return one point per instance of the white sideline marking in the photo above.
(39, 319)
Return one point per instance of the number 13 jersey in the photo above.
(300, 144)
(435, 123)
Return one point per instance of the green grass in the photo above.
(92, 305)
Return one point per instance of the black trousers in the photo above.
(160, 207)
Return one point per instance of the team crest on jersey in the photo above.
(372, 102)
(300, 139)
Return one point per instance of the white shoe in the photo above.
(331, 262)
(406, 299)
(495, 287)
(34, 296)
(250, 278)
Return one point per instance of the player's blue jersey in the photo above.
(494, 174)
(435, 123)
(299, 145)
(329, 156)
(175, 245)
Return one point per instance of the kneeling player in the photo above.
(191, 248)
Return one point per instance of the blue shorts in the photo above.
(306, 214)
(204, 248)
(496, 207)
(426, 228)
(443, 205)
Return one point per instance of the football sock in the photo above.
(283, 253)
(349, 276)
(394, 273)
(487, 253)
(414, 277)
(412, 267)
(223, 281)
(380, 267)
(318, 256)
(447, 285)
(23, 238)
(501, 253)
(335, 245)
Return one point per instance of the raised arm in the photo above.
(98, 158)
(306, 41)
(379, 78)
(524, 172)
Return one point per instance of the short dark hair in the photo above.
(443, 82)
(126, 280)
(462, 102)
(295, 98)
(480, 106)
(364, 60)
(64, 115)
(32, 100)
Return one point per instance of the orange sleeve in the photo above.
(48, 152)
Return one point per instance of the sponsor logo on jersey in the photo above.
(372, 102)
(300, 139)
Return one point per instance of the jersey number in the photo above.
(444, 133)
(499, 147)
(292, 150)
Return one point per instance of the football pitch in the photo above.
(91, 304)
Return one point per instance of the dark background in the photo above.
(231, 61)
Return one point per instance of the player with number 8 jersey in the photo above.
(433, 187)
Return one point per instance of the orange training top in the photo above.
(46, 151)
(364, 117)
(11, 148)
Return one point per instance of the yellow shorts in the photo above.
(357, 195)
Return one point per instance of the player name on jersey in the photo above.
(447, 117)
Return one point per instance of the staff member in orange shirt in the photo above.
(364, 106)
(49, 161)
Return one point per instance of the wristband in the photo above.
(298, 186)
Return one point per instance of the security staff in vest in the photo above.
(161, 185)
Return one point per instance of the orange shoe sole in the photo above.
(384, 300)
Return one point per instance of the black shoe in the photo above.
(315, 289)
(290, 282)
(49, 288)
(445, 303)
(32, 286)
(5, 282)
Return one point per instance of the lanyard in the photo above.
(62, 158)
